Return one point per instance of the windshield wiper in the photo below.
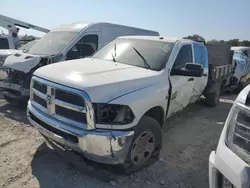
(113, 56)
(144, 60)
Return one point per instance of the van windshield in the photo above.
(143, 53)
(52, 43)
(28, 45)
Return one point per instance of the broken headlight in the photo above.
(113, 114)
(238, 133)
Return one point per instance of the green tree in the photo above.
(233, 42)
(245, 43)
(195, 37)
(213, 41)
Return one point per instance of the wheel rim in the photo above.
(142, 148)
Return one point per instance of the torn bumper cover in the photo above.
(13, 90)
(103, 146)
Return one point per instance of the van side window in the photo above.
(85, 47)
(4, 43)
(184, 56)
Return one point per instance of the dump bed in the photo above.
(220, 61)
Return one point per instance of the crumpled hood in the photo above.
(8, 52)
(22, 61)
(102, 80)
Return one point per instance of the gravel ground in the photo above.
(189, 137)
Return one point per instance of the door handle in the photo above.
(190, 79)
(204, 74)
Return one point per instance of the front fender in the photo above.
(143, 100)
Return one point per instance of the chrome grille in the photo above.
(40, 101)
(69, 97)
(40, 87)
(65, 104)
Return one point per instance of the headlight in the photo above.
(238, 133)
(113, 114)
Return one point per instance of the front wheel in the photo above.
(146, 145)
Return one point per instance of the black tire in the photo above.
(145, 125)
(223, 88)
(212, 99)
(239, 88)
(15, 102)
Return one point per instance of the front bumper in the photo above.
(8, 89)
(227, 163)
(110, 147)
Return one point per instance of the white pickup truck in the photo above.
(111, 107)
(229, 165)
(66, 42)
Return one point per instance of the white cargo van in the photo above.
(66, 42)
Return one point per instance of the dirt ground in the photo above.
(189, 137)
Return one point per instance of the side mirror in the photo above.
(191, 69)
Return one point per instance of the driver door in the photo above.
(182, 86)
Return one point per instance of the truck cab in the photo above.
(111, 107)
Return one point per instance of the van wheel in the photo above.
(212, 99)
(145, 147)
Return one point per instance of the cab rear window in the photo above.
(4, 43)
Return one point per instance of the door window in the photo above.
(200, 55)
(84, 47)
(184, 56)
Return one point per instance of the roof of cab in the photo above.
(156, 38)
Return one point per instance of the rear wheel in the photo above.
(146, 145)
(212, 99)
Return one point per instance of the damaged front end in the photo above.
(16, 74)
(67, 117)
